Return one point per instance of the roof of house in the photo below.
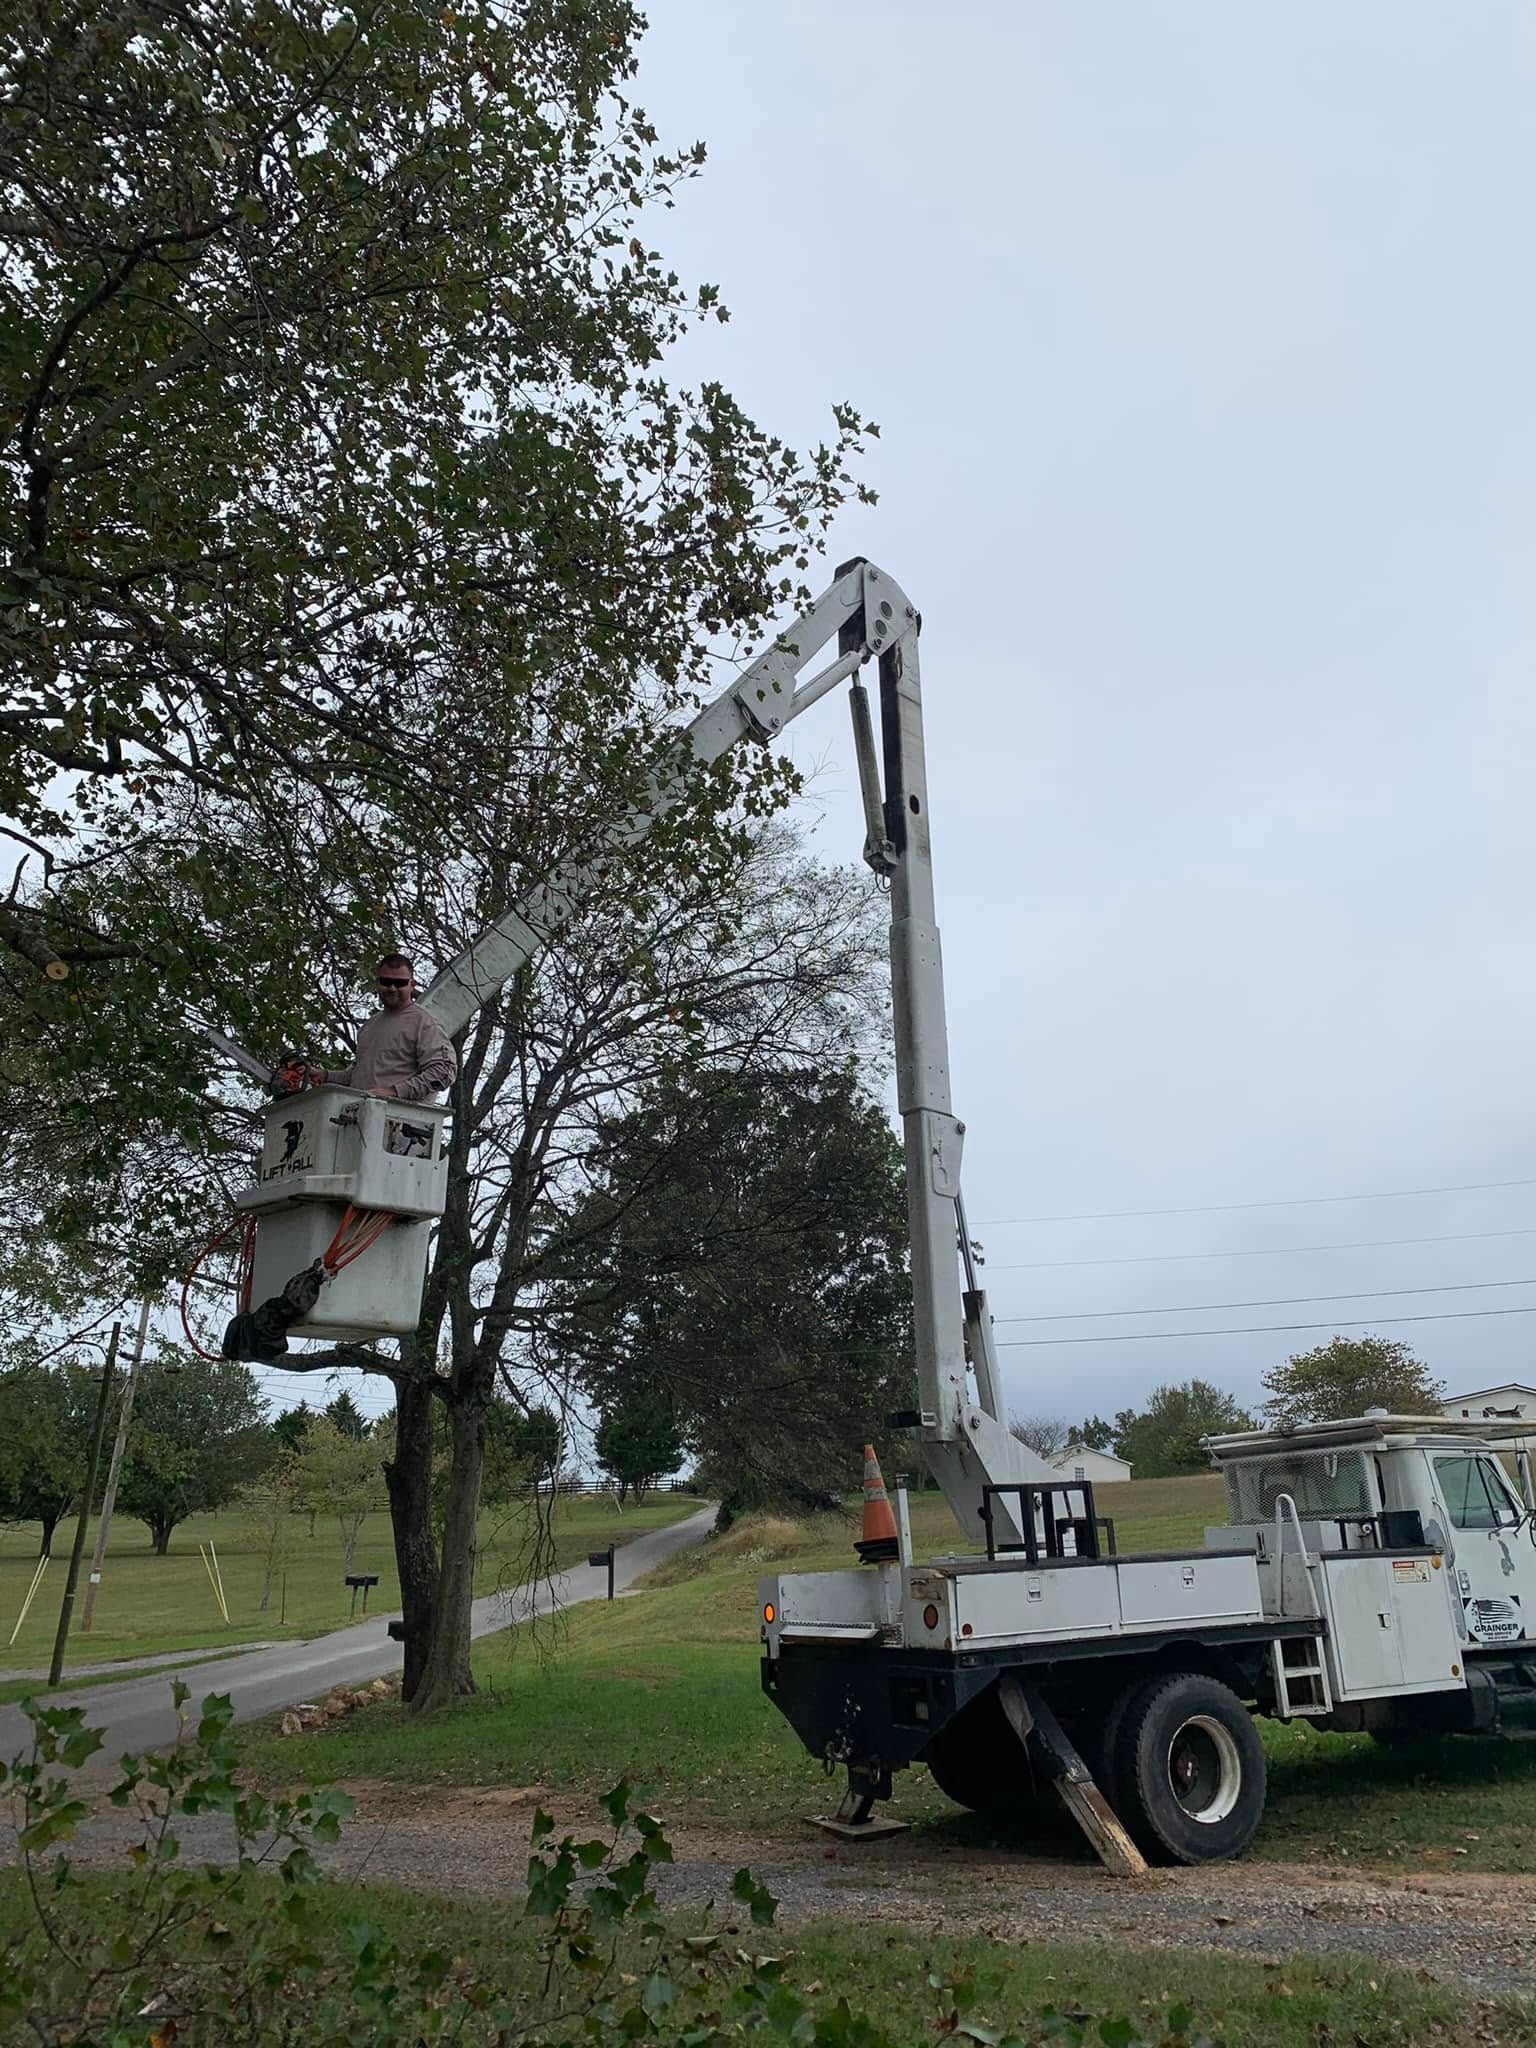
(1077, 1450)
(1477, 1393)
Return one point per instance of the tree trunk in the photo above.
(447, 1675)
(50, 1523)
(408, 1476)
(161, 1531)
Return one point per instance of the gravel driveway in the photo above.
(1472, 1930)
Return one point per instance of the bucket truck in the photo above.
(1378, 1574)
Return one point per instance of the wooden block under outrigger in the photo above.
(1042, 1734)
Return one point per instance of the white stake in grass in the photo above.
(210, 1567)
(37, 1579)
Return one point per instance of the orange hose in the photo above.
(370, 1226)
(243, 1271)
(366, 1226)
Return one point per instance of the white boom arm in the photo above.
(965, 1441)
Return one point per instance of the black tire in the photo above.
(978, 1761)
(1188, 1770)
(1098, 1741)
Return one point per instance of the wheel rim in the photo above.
(1205, 1771)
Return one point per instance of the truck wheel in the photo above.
(1189, 1770)
(1098, 1740)
(978, 1761)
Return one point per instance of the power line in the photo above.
(1262, 1251)
(1452, 1315)
(1466, 1187)
(1197, 1308)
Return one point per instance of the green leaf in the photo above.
(759, 1901)
(78, 1747)
(659, 1993)
(55, 1825)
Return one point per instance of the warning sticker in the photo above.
(1494, 1621)
(1410, 1568)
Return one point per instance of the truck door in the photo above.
(1495, 1564)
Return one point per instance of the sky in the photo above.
(1200, 340)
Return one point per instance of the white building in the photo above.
(1101, 1467)
(1513, 1403)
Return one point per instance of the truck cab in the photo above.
(1459, 1493)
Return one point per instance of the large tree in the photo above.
(340, 1474)
(363, 562)
(770, 960)
(1346, 1376)
(345, 1414)
(744, 1250)
(637, 1440)
(327, 367)
(199, 1436)
(1164, 1437)
(1094, 1433)
(46, 1415)
(348, 519)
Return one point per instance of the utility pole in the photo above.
(109, 1494)
(56, 1668)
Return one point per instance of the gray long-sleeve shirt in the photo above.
(406, 1050)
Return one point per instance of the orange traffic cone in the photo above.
(877, 1539)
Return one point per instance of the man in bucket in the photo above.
(403, 1054)
(402, 1051)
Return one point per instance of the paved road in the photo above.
(125, 1664)
(138, 1714)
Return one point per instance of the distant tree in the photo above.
(1095, 1434)
(199, 1434)
(638, 1441)
(1346, 1376)
(270, 1501)
(1164, 1437)
(45, 1423)
(744, 1251)
(347, 1416)
(292, 1425)
(522, 1447)
(343, 1476)
(1047, 1435)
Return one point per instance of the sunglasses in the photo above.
(394, 981)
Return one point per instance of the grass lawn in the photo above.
(884, 1972)
(148, 1603)
(665, 1687)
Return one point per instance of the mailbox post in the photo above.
(604, 1557)
(360, 1580)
